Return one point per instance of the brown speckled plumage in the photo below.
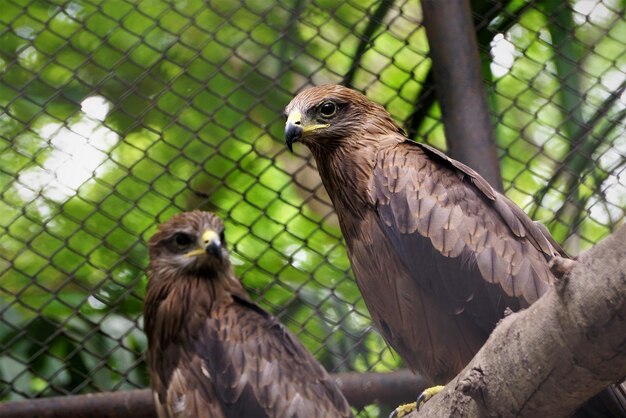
(437, 253)
(214, 353)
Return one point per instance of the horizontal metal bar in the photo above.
(359, 388)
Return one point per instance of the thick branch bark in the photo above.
(552, 357)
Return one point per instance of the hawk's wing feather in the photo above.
(186, 394)
(254, 360)
(457, 235)
(518, 222)
(258, 368)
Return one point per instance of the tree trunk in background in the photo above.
(460, 89)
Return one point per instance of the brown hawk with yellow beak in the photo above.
(437, 253)
(212, 352)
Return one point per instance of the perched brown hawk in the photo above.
(212, 352)
(437, 253)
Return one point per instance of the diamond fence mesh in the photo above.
(118, 114)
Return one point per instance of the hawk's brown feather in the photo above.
(214, 353)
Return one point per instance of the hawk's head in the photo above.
(333, 115)
(190, 243)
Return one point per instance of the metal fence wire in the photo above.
(118, 114)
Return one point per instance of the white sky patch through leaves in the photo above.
(75, 152)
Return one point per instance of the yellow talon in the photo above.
(427, 394)
(402, 410)
(405, 409)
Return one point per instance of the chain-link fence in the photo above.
(118, 114)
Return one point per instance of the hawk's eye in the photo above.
(182, 241)
(327, 109)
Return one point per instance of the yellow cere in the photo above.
(294, 118)
(209, 236)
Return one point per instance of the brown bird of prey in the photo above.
(437, 253)
(212, 352)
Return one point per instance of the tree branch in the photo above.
(552, 357)
(366, 39)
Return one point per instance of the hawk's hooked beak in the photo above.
(211, 243)
(295, 128)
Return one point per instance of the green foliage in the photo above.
(119, 114)
(561, 120)
(189, 118)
